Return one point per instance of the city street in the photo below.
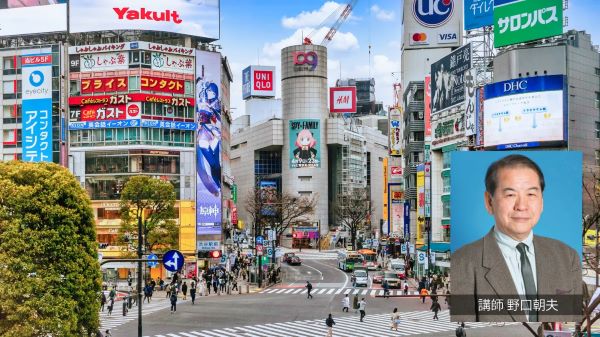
(284, 310)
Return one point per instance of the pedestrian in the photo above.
(193, 291)
(146, 293)
(395, 319)
(111, 303)
(215, 283)
(460, 331)
(386, 289)
(173, 300)
(102, 301)
(161, 283)
(447, 298)
(329, 322)
(435, 307)
(361, 307)
(424, 294)
(345, 303)
(205, 290)
(184, 288)
(355, 303)
(308, 287)
(107, 333)
(234, 282)
(169, 287)
(112, 294)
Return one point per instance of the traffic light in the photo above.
(203, 255)
(215, 254)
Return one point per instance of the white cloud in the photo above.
(382, 14)
(311, 19)
(341, 41)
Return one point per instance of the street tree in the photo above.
(50, 277)
(151, 201)
(352, 211)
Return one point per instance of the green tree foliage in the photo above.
(49, 272)
(153, 201)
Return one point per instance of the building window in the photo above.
(11, 65)
(134, 83)
(445, 209)
(11, 114)
(419, 95)
(597, 71)
(417, 157)
(597, 157)
(189, 87)
(446, 159)
(74, 88)
(446, 184)
(597, 129)
(418, 136)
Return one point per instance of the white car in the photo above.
(360, 277)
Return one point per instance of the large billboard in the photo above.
(342, 100)
(478, 13)
(208, 143)
(305, 143)
(258, 81)
(447, 79)
(524, 112)
(190, 17)
(522, 21)
(432, 24)
(37, 107)
(18, 17)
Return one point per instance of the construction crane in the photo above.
(341, 17)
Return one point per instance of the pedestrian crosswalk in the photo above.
(317, 255)
(117, 318)
(335, 291)
(412, 323)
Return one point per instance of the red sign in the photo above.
(396, 171)
(92, 85)
(127, 98)
(234, 216)
(427, 106)
(170, 85)
(36, 59)
(263, 80)
(100, 112)
(342, 99)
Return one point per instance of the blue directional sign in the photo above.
(260, 240)
(173, 260)
(154, 262)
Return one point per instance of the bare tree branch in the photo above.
(353, 211)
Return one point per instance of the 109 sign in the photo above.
(433, 13)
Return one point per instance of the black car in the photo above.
(288, 256)
(294, 260)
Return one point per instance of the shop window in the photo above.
(11, 114)
(189, 87)
(134, 83)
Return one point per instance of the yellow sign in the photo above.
(385, 189)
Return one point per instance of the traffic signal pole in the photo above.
(139, 278)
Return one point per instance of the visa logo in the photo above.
(449, 36)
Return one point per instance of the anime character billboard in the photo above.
(208, 143)
(305, 143)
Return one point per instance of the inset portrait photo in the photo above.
(516, 245)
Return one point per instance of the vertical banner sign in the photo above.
(529, 20)
(428, 190)
(478, 13)
(37, 107)
(420, 201)
(407, 219)
(208, 143)
(246, 82)
(470, 101)
(397, 216)
(427, 108)
(385, 190)
(305, 143)
(447, 79)
(479, 111)
(395, 133)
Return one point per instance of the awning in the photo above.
(438, 247)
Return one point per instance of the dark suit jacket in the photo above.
(479, 269)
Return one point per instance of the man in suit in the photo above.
(510, 262)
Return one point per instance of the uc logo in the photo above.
(309, 58)
(433, 13)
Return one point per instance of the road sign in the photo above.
(154, 262)
(269, 251)
(266, 243)
(403, 249)
(259, 240)
(259, 250)
(173, 260)
(422, 257)
(223, 259)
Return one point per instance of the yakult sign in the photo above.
(258, 81)
(191, 17)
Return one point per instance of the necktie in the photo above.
(527, 273)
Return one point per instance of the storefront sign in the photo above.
(127, 123)
(208, 245)
(168, 125)
(126, 98)
(104, 61)
(173, 63)
(105, 112)
(149, 83)
(448, 129)
(92, 85)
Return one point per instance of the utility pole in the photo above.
(139, 278)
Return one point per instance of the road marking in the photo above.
(339, 291)
(347, 291)
(330, 291)
(298, 291)
(364, 292)
(318, 271)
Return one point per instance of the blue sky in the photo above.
(254, 31)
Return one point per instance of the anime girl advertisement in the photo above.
(304, 143)
(208, 143)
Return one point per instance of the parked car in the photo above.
(288, 256)
(392, 278)
(360, 277)
(295, 261)
(378, 277)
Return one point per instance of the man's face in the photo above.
(517, 202)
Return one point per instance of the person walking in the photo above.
(205, 289)
(435, 307)
(395, 319)
(173, 300)
(345, 303)
(405, 288)
(355, 303)
(460, 331)
(193, 291)
(330, 323)
(107, 333)
(184, 289)
(308, 287)
(386, 289)
(111, 303)
(102, 301)
(361, 307)
(424, 294)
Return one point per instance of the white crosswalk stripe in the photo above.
(412, 323)
(117, 318)
(336, 291)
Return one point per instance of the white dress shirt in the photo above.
(512, 257)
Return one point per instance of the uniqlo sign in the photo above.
(258, 81)
(342, 100)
